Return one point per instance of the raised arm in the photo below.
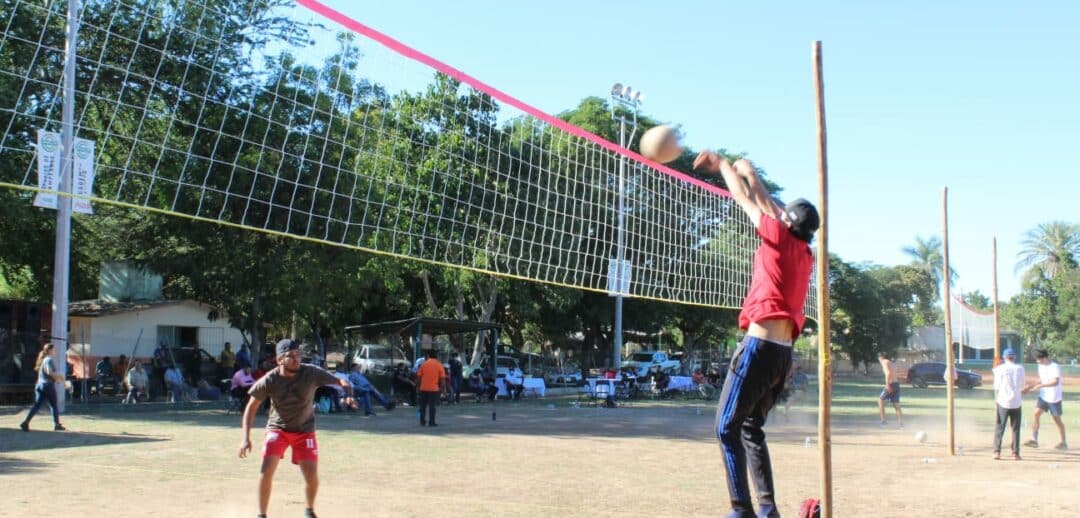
(758, 193)
(737, 185)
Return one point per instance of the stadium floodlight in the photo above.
(630, 100)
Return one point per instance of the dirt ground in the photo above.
(652, 459)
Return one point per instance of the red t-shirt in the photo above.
(782, 267)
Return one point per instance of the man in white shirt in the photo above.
(1008, 387)
(1050, 395)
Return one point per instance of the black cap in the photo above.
(1041, 353)
(804, 218)
(286, 345)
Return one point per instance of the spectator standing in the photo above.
(227, 361)
(193, 365)
(432, 377)
(243, 358)
(1008, 384)
(456, 376)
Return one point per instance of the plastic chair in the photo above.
(602, 393)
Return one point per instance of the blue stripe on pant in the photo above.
(754, 382)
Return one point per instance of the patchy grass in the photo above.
(654, 458)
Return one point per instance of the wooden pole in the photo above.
(824, 355)
(997, 325)
(946, 303)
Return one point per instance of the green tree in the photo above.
(978, 301)
(871, 309)
(926, 254)
(1049, 249)
(1068, 314)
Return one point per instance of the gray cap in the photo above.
(286, 345)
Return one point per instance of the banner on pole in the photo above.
(84, 176)
(618, 278)
(48, 160)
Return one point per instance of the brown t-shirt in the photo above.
(291, 398)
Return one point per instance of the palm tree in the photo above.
(1049, 249)
(926, 255)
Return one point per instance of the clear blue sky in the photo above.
(982, 97)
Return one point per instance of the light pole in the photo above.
(625, 97)
(62, 253)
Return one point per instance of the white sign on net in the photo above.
(618, 278)
(84, 176)
(48, 170)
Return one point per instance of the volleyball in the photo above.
(920, 437)
(661, 144)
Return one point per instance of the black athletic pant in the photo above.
(753, 385)
(428, 402)
(1013, 415)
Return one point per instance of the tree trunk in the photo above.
(425, 279)
(486, 312)
(256, 328)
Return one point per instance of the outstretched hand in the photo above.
(709, 161)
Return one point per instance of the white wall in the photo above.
(113, 335)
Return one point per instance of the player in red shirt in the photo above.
(772, 315)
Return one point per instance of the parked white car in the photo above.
(570, 375)
(643, 361)
(374, 359)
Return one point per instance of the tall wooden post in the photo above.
(824, 354)
(946, 303)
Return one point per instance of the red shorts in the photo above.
(304, 446)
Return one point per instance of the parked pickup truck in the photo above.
(643, 361)
(374, 359)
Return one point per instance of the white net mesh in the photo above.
(276, 118)
(971, 328)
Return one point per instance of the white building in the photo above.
(102, 328)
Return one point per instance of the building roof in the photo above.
(100, 308)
